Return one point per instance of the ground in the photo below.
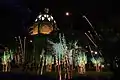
(88, 74)
(18, 74)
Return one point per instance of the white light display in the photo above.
(43, 18)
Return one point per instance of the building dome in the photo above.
(44, 24)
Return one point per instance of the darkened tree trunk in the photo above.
(39, 44)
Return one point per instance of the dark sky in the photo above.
(17, 15)
(20, 13)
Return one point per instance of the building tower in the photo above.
(43, 27)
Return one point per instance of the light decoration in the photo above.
(49, 61)
(17, 59)
(35, 20)
(64, 57)
(95, 52)
(48, 25)
(46, 29)
(43, 18)
(6, 59)
(97, 63)
(31, 41)
(40, 16)
(49, 18)
(60, 50)
(45, 15)
(41, 63)
(92, 51)
(54, 21)
(34, 30)
(42, 59)
(82, 61)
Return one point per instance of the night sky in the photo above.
(17, 15)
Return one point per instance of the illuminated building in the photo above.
(43, 26)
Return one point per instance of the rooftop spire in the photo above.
(46, 10)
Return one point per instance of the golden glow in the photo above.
(34, 30)
(45, 29)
